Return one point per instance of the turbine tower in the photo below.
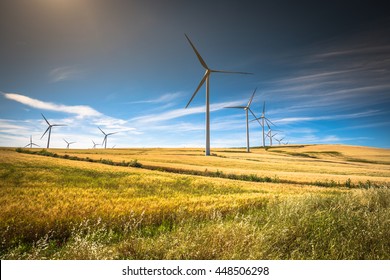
(49, 129)
(105, 137)
(246, 108)
(68, 143)
(31, 143)
(206, 78)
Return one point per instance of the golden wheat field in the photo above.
(283, 202)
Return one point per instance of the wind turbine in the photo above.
(270, 135)
(105, 137)
(31, 143)
(246, 108)
(68, 143)
(279, 140)
(49, 129)
(94, 144)
(206, 78)
(264, 121)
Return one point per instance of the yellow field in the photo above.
(296, 163)
(51, 207)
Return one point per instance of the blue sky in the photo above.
(323, 70)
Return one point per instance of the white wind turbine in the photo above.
(264, 121)
(31, 143)
(270, 135)
(94, 145)
(105, 137)
(68, 143)
(206, 78)
(279, 140)
(246, 108)
(49, 129)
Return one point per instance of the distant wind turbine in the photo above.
(31, 143)
(206, 78)
(94, 145)
(105, 137)
(270, 135)
(279, 140)
(68, 143)
(246, 108)
(264, 121)
(49, 129)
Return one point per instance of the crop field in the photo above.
(283, 202)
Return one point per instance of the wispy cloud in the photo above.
(80, 111)
(327, 117)
(177, 113)
(361, 50)
(65, 73)
(165, 98)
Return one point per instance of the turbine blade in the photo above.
(230, 72)
(65, 140)
(59, 125)
(197, 53)
(266, 121)
(235, 107)
(263, 108)
(35, 144)
(27, 145)
(269, 121)
(250, 101)
(112, 133)
(258, 120)
(102, 131)
(45, 132)
(45, 119)
(253, 114)
(199, 86)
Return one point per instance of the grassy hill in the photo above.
(285, 202)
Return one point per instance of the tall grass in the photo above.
(56, 209)
(352, 226)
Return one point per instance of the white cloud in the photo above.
(80, 110)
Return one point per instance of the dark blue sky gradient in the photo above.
(323, 68)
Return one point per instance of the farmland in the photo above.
(287, 202)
